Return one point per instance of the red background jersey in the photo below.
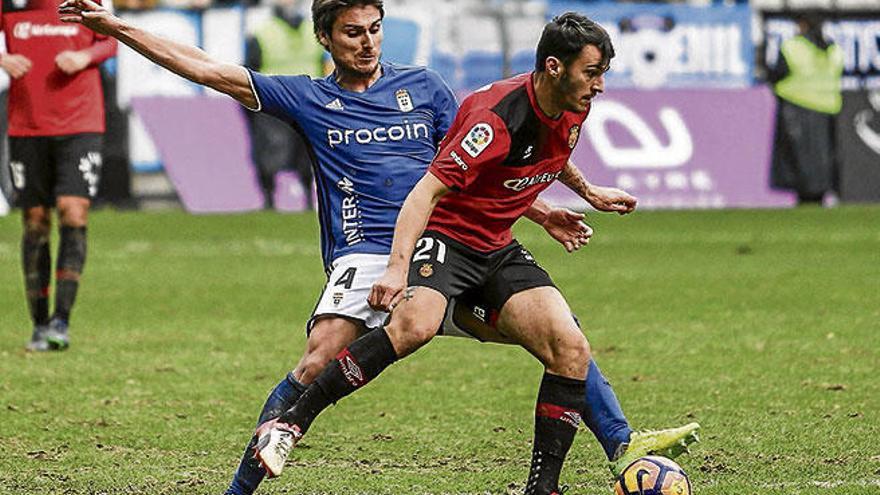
(499, 154)
(46, 101)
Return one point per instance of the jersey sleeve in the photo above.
(279, 96)
(445, 105)
(478, 140)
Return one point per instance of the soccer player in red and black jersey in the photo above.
(56, 124)
(509, 142)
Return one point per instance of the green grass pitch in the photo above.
(764, 326)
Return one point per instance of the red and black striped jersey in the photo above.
(46, 101)
(499, 154)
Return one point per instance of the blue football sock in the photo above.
(602, 414)
(249, 474)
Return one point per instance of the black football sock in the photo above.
(71, 259)
(557, 416)
(37, 264)
(353, 368)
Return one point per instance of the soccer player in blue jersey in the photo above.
(374, 128)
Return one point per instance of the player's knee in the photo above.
(37, 222)
(410, 332)
(73, 212)
(571, 350)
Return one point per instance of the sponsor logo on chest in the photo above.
(406, 131)
(524, 182)
(26, 30)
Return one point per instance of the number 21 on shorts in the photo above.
(425, 248)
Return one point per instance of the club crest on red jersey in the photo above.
(478, 139)
(573, 135)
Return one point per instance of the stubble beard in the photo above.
(565, 91)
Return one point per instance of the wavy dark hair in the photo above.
(325, 12)
(566, 35)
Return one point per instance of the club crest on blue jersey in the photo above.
(404, 101)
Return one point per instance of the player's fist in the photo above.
(387, 291)
(90, 15)
(71, 62)
(15, 65)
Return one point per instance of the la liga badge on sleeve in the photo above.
(478, 139)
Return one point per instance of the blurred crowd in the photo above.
(203, 4)
(757, 4)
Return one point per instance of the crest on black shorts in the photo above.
(426, 270)
(573, 134)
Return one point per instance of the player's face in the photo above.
(356, 41)
(582, 79)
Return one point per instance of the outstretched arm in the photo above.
(184, 60)
(562, 224)
(411, 223)
(600, 198)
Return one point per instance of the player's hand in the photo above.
(15, 65)
(612, 199)
(90, 15)
(71, 62)
(388, 290)
(568, 228)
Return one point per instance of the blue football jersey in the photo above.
(370, 148)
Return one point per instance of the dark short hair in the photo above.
(325, 12)
(566, 35)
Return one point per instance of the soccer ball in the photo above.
(653, 475)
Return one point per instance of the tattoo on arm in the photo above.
(572, 177)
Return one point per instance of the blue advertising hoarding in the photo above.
(673, 45)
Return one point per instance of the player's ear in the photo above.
(553, 66)
(324, 40)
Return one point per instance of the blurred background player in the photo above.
(807, 82)
(283, 44)
(56, 122)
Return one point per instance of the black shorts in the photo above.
(46, 167)
(458, 271)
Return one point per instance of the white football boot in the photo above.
(274, 441)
